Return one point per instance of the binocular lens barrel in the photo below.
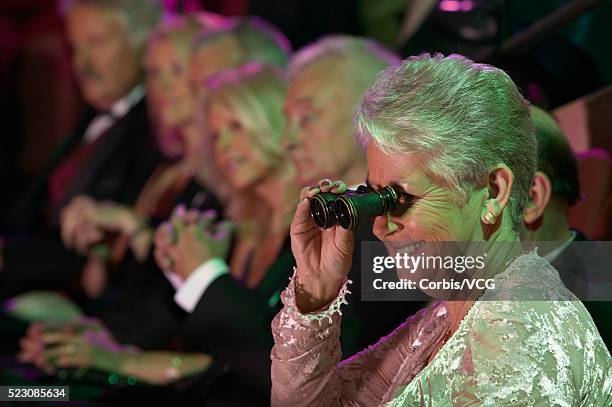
(352, 208)
(322, 209)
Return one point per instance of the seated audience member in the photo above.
(110, 154)
(555, 190)
(247, 39)
(175, 181)
(326, 80)
(455, 139)
(116, 238)
(229, 303)
(86, 222)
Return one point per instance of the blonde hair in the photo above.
(256, 93)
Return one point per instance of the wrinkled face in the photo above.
(318, 130)
(426, 211)
(105, 61)
(240, 160)
(169, 94)
(221, 54)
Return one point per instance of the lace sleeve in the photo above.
(306, 355)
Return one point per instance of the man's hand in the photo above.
(85, 221)
(190, 239)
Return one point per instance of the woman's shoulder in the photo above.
(529, 278)
(534, 324)
(530, 294)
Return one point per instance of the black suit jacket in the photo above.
(141, 309)
(572, 272)
(117, 171)
(232, 323)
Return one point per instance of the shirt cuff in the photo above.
(174, 279)
(189, 293)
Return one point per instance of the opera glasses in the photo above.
(351, 208)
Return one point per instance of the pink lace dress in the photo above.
(508, 351)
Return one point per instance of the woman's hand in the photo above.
(190, 239)
(323, 256)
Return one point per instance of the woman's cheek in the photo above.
(430, 224)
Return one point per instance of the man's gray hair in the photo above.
(259, 40)
(363, 57)
(141, 16)
(464, 118)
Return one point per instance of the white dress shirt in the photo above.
(189, 291)
(105, 121)
(555, 253)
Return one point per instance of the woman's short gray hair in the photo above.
(464, 118)
(141, 16)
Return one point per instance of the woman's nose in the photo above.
(290, 139)
(224, 140)
(384, 226)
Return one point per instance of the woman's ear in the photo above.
(501, 180)
(539, 197)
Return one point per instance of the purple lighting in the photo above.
(467, 5)
(453, 6)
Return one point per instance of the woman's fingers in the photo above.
(207, 219)
(178, 214)
(192, 216)
(224, 230)
(339, 187)
(302, 221)
(309, 192)
(326, 185)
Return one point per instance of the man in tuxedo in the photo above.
(556, 188)
(110, 154)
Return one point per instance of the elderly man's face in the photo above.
(106, 62)
(169, 94)
(318, 135)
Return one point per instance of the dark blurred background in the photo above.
(565, 59)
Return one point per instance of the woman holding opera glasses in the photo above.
(455, 141)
